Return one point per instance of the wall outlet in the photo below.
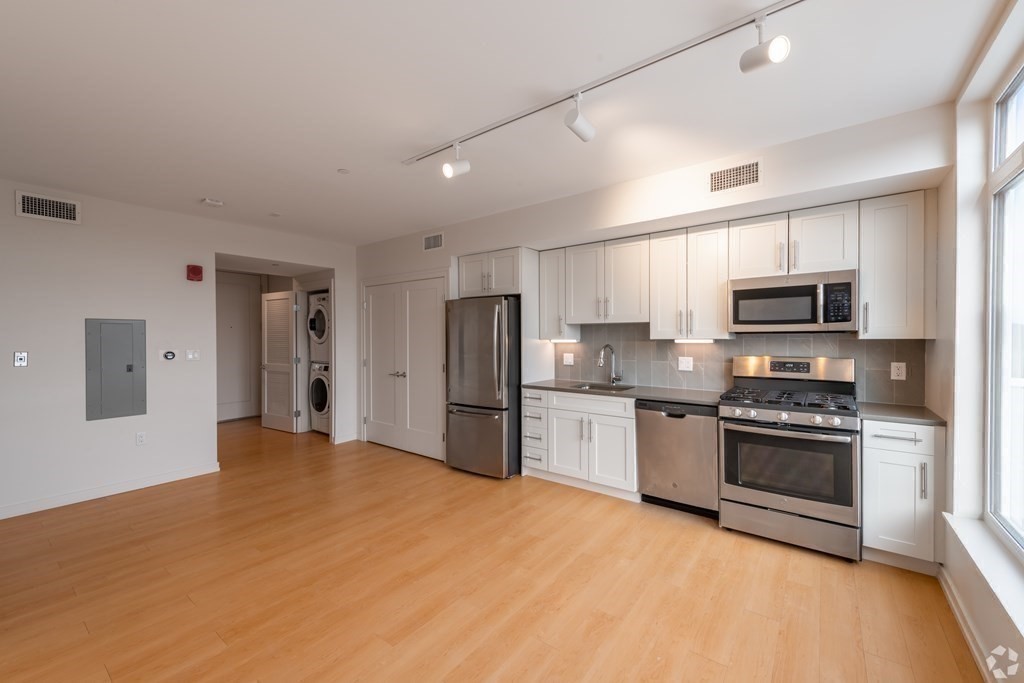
(898, 371)
(140, 438)
(686, 363)
(568, 359)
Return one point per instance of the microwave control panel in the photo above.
(839, 302)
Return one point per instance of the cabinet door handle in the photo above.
(911, 439)
(561, 325)
(691, 322)
(924, 481)
(590, 432)
(598, 307)
(679, 325)
(490, 281)
(581, 429)
(782, 257)
(483, 281)
(606, 308)
(865, 317)
(796, 255)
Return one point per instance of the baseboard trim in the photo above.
(902, 561)
(956, 604)
(581, 484)
(39, 504)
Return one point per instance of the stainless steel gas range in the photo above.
(789, 452)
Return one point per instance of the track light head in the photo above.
(578, 123)
(450, 169)
(771, 51)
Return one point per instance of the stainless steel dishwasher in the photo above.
(677, 455)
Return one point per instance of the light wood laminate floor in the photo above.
(304, 560)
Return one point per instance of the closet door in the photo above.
(383, 422)
(280, 360)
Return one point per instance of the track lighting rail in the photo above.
(753, 18)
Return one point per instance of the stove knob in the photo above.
(835, 421)
(751, 413)
(815, 419)
(736, 412)
(783, 417)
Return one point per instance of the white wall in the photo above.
(124, 261)
(906, 152)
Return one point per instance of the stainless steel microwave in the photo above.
(811, 302)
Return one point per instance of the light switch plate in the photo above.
(21, 359)
(686, 363)
(191, 354)
(898, 371)
(568, 359)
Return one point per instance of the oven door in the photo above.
(803, 472)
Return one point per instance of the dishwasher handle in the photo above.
(675, 410)
(674, 416)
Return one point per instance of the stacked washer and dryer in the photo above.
(320, 362)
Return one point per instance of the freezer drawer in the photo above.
(478, 441)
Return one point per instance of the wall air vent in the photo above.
(33, 205)
(433, 241)
(737, 176)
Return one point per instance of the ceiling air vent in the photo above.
(737, 176)
(47, 208)
(433, 241)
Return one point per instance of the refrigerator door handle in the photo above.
(504, 349)
(497, 360)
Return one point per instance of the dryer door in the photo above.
(320, 395)
(318, 324)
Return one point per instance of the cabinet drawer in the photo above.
(535, 398)
(897, 436)
(600, 405)
(535, 437)
(536, 458)
(535, 418)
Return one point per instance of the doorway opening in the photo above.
(275, 344)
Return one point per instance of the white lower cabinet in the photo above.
(535, 429)
(902, 469)
(595, 446)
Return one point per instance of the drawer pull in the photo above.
(909, 439)
(533, 436)
(533, 457)
(533, 397)
(531, 416)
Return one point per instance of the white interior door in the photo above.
(420, 382)
(280, 351)
(238, 346)
(381, 383)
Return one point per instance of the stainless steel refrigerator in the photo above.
(483, 385)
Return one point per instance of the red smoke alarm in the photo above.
(194, 273)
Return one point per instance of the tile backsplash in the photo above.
(653, 363)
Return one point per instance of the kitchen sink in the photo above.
(598, 386)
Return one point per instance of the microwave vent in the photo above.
(32, 205)
(737, 176)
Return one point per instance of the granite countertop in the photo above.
(890, 412)
(883, 412)
(690, 396)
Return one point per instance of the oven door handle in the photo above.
(787, 434)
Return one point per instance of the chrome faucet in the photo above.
(600, 363)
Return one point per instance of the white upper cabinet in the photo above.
(627, 267)
(823, 238)
(810, 241)
(608, 281)
(552, 297)
(707, 282)
(668, 285)
(490, 273)
(757, 246)
(892, 267)
(690, 283)
(584, 283)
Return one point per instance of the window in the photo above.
(1006, 445)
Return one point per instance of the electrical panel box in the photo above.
(115, 368)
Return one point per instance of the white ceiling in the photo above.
(257, 102)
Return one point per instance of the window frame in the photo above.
(1007, 169)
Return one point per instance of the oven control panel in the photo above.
(790, 366)
(789, 416)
